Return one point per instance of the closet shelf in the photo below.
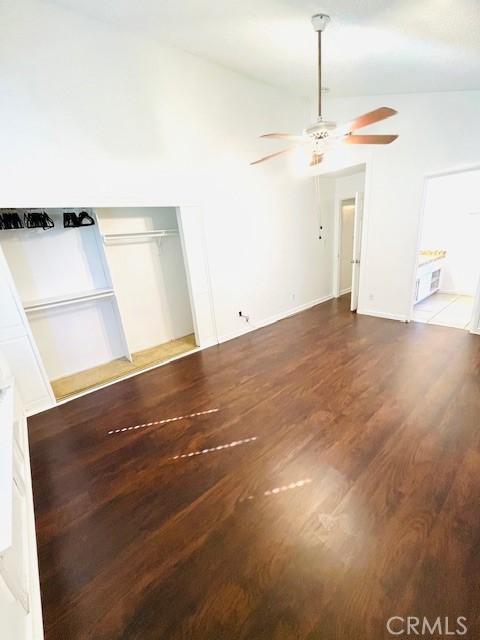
(62, 301)
(157, 233)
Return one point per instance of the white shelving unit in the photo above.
(75, 299)
(65, 287)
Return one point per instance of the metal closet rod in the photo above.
(140, 234)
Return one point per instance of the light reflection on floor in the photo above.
(276, 490)
(220, 447)
(164, 421)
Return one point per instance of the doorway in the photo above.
(341, 206)
(446, 285)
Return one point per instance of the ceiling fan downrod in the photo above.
(319, 22)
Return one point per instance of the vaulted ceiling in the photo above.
(370, 47)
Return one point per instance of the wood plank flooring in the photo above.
(349, 491)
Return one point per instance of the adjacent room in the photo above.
(448, 269)
(239, 320)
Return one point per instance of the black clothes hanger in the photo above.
(38, 220)
(86, 219)
(70, 219)
(83, 219)
(11, 221)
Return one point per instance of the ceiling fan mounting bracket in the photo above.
(320, 21)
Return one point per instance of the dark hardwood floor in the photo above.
(349, 494)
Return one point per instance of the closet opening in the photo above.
(446, 286)
(104, 291)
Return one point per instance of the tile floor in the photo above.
(446, 309)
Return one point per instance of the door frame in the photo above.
(191, 229)
(357, 249)
(475, 319)
(335, 170)
(339, 204)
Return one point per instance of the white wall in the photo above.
(437, 132)
(452, 222)
(99, 117)
(55, 262)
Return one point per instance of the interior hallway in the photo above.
(336, 486)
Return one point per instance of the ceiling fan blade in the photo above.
(368, 118)
(369, 139)
(273, 155)
(286, 136)
(316, 159)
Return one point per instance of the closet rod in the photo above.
(66, 300)
(158, 233)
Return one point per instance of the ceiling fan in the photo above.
(323, 132)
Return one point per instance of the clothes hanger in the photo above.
(38, 220)
(83, 219)
(11, 220)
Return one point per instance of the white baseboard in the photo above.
(456, 293)
(211, 342)
(258, 324)
(38, 406)
(344, 291)
(382, 314)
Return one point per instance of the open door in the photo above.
(357, 242)
(475, 319)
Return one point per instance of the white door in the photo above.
(475, 319)
(347, 219)
(357, 242)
